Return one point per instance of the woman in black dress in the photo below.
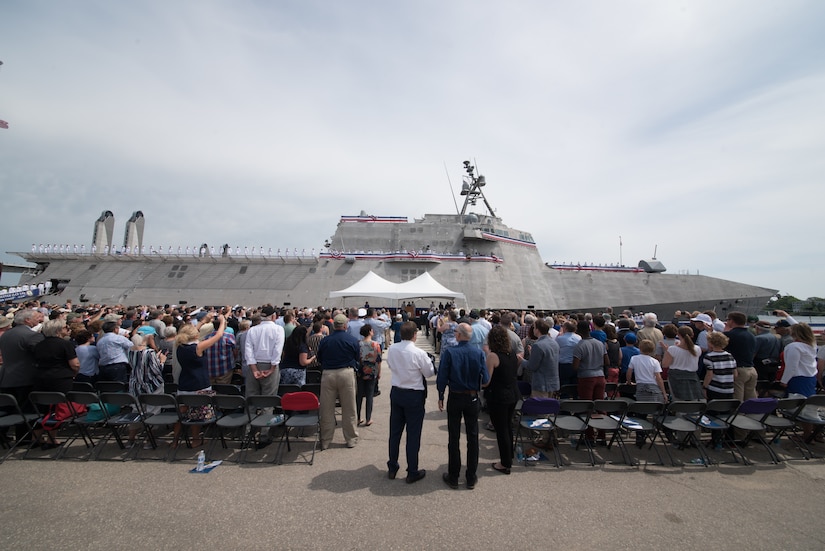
(502, 393)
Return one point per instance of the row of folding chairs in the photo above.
(313, 384)
(764, 420)
(84, 412)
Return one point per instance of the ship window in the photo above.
(171, 274)
(312, 270)
(93, 266)
(175, 267)
(243, 269)
(412, 230)
(180, 275)
(183, 268)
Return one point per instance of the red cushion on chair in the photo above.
(299, 401)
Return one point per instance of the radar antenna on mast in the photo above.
(471, 189)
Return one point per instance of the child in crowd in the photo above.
(649, 384)
(628, 351)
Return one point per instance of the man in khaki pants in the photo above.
(339, 354)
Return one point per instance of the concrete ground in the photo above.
(345, 501)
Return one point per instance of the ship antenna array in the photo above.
(471, 189)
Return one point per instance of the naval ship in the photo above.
(473, 253)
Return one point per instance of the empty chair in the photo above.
(808, 414)
(234, 416)
(717, 417)
(640, 419)
(782, 421)
(14, 416)
(608, 418)
(266, 414)
(573, 418)
(95, 417)
(313, 377)
(675, 420)
(130, 416)
(301, 410)
(161, 410)
(537, 416)
(750, 417)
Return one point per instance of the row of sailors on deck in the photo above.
(136, 250)
(43, 288)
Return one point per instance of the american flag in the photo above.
(4, 124)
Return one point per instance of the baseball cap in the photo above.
(340, 320)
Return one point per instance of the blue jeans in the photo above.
(115, 372)
(464, 406)
(406, 410)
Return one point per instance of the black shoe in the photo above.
(471, 482)
(449, 481)
(416, 476)
(377, 393)
(391, 474)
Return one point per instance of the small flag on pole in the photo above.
(4, 124)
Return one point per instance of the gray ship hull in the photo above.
(466, 255)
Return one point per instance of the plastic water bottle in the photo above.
(201, 461)
(519, 453)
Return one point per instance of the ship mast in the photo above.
(471, 189)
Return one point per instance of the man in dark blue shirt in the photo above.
(338, 354)
(463, 368)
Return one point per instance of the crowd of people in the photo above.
(481, 358)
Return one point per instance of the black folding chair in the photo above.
(302, 411)
(675, 419)
(46, 404)
(751, 417)
(608, 417)
(234, 416)
(161, 411)
(537, 416)
(96, 417)
(782, 421)
(573, 418)
(266, 413)
(640, 418)
(313, 377)
(130, 413)
(716, 418)
(14, 416)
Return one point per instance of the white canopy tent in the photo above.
(425, 286)
(373, 285)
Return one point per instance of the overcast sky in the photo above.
(695, 126)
